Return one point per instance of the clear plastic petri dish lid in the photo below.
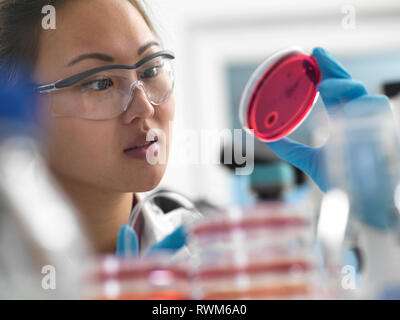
(280, 94)
(266, 216)
(122, 278)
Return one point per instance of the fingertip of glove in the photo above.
(178, 237)
(329, 66)
(172, 242)
(127, 241)
(182, 230)
(320, 54)
(318, 51)
(383, 98)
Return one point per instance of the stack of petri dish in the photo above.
(265, 252)
(149, 278)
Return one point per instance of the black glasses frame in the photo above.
(70, 81)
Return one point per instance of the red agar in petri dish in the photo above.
(280, 94)
(247, 224)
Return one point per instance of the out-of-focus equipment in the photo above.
(271, 178)
(362, 164)
(43, 249)
(391, 89)
(127, 239)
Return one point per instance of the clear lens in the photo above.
(107, 94)
(158, 80)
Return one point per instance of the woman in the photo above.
(93, 139)
(96, 124)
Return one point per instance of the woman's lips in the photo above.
(141, 150)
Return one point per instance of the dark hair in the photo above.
(20, 27)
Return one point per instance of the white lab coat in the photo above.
(156, 225)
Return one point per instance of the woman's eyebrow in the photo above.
(107, 58)
(98, 56)
(149, 44)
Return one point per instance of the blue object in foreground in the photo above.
(17, 102)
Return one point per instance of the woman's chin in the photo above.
(146, 180)
(146, 186)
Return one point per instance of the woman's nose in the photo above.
(139, 106)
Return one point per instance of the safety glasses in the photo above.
(106, 92)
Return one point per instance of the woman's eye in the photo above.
(150, 73)
(98, 85)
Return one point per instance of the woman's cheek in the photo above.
(167, 121)
(75, 152)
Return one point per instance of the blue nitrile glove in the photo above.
(128, 243)
(339, 90)
(336, 89)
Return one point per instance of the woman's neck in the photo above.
(103, 212)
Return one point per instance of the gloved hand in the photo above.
(128, 242)
(338, 90)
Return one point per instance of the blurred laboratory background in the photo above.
(218, 44)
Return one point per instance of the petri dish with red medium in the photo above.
(130, 278)
(280, 94)
(259, 252)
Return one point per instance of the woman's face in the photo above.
(89, 151)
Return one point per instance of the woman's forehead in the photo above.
(112, 27)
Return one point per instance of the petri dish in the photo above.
(280, 94)
(279, 279)
(260, 252)
(247, 224)
(271, 215)
(150, 278)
